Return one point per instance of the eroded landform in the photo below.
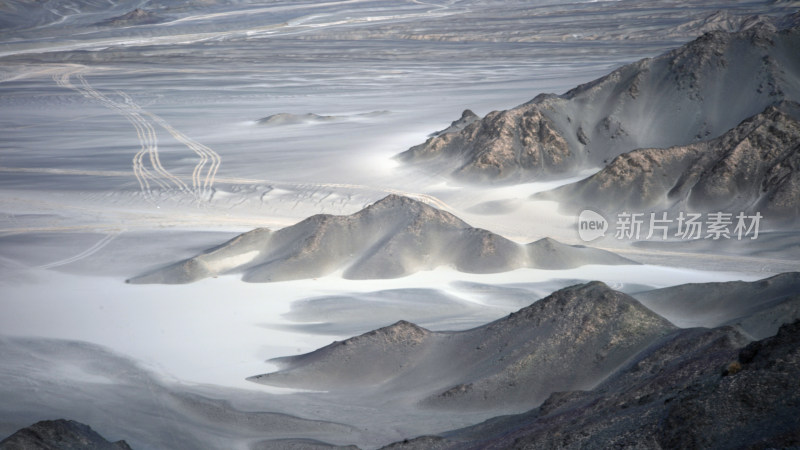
(256, 225)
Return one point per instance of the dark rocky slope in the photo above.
(691, 94)
(696, 388)
(59, 434)
(753, 167)
(571, 339)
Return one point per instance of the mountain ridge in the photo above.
(695, 388)
(751, 168)
(59, 434)
(393, 237)
(516, 360)
(677, 98)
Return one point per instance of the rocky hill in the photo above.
(692, 94)
(753, 167)
(695, 388)
(391, 238)
(571, 339)
(59, 435)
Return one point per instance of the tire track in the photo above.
(131, 111)
(202, 180)
(142, 174)
(84, 254)
(201, 184)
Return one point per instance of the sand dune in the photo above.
(679, 98)
(391, 238)
(298, 444)
(547, 253)
(515, 361)
(749, 168)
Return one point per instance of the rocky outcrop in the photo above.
(136, 17)
(691, 94)
(753, 167)
(59, 434)
(467, 118)
(501, 145)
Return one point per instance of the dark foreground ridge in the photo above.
(571, 339)
(391, 238)
(59, 434)
(697, 388)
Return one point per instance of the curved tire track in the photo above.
(202, 180)
(84, 254)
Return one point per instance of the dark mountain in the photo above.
(59, 435)
(753, 167)
(695, 388)
(692, 94)
(572, 339)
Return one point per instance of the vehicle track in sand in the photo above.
(144, 131)
(156, 175)
(84, 254)
(200, 183)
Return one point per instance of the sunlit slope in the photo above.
(391, 238)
